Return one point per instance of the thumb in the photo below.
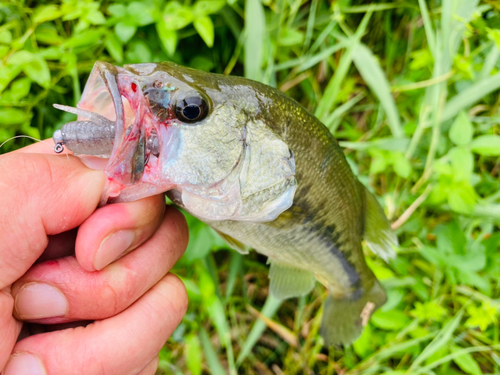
(40, 195)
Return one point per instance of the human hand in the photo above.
(52, 275)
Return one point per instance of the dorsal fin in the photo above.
(378, 234)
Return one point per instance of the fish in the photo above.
(250, 162)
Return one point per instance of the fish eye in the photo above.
(191, 108)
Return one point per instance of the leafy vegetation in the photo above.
(409, 88)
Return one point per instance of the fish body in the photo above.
(257, 167)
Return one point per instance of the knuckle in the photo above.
(177, 289)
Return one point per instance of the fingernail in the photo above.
(93, 162)
(112, 247)
(38, 300)
(24, 364)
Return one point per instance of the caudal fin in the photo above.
(344, 319)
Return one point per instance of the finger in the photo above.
(59, 246)
(149, 321)
(41, 195)
(10, 328)
(45, 146)
(151, 368)
(116, 229)
(60, 291)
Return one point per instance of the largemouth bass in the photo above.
(250, 162)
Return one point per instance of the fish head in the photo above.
(203, 137)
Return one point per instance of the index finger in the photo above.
(45, 146)
(40, 195)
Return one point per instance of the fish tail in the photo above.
(344, 318)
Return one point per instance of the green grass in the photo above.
(410, 88)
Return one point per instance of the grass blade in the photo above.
(490, 62)
(255, 27)
(429, 31)
(270, 307)
(374, 77)
(234, 270)
(341, 111)
(310, 24)
(333, 88)
(427, 369)
(442, 338)
(470, 96)
(210, 355)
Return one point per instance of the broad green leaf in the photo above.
(168, 37)
(379, 162)
(177, 16)
(20, 88)
(202, 239)
(428, 310)
(86, 38)
(450, 238)
(141, 12)
(290, 37)
(401, 165)
(30, 130)
(390, 320)
(95, 17)
(466, 362)
(124, 31)
(13, 116)
(5, 36)
(462, 163)
(205, 28)
(375, 78)
(114, 47)
(461, 131)
(481, 316)
(255, 28)
(6, 133)
(488, 145)
(20, 58)
(139, 52)
(364, 345)
(494, 35)
(48, 34)
(193, 354)
(206, 7)
(38, 71)
(117, 10)
(7, 74)
(46, 13)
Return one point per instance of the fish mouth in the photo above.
(114, 95)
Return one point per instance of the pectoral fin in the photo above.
(233, 244)
(378, 235)
(288, 282)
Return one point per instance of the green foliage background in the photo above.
(409, 87)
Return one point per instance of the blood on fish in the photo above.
(134, 87)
